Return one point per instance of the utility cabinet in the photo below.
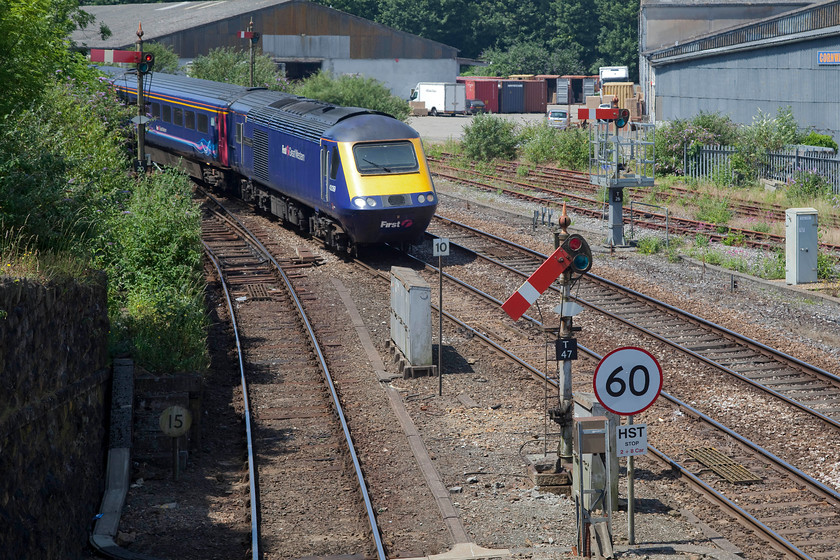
(411, 316)
(801, 245)
(593, 467)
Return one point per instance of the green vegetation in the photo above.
(227, 64)
(541, 144)
(821, 140)
(354, 91)
(650, 245)
(554, 37)
(165, 58)
(69, 207)
(489, 137)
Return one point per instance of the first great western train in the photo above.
(347, 175)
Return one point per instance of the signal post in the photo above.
(571, 260)
(618, 160)
(145, 62)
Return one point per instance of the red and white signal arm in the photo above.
(627, 381)
(574, 253)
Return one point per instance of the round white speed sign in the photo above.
(627, 381)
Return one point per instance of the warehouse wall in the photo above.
(739, 84)
(399, 75)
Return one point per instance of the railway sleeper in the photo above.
(287, 209)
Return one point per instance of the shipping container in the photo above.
(550, 87)
(573, 90)
(512, 96)
(535, 96)
(485, 89)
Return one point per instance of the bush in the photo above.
(354, 91)
(156, 277)
(826, 266)
(539, 144)
(232, 66)
(674, 140)
(713, 211)
(650, 245)
(821, 140)
(808, 184)
(61, 163)
(68, 203)
(489, 137)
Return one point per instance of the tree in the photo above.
(527, 58)
(618, 35)
(574, 24)
(165, 58)
(227, 64)
(444, 21)
(354, 91)
(33, 40)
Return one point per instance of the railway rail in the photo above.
(293, 422)
(790, 509)
(553, 187)
(802, 385)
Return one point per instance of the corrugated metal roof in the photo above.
(803, 23)
(171, 19)
(159, 20)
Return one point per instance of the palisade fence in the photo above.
(712, 161)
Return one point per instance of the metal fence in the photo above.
(714, 162)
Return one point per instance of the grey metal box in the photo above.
(594, 469)
(411, 315)
(801, 245)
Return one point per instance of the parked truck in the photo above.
(441, 98)
(613, 74)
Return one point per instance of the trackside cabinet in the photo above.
(411, 315)
(801, 245)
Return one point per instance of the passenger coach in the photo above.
(348, 175)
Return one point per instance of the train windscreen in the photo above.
(385, 157)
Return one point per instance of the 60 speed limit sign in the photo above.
(627, 381)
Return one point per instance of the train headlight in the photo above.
(430, 198)
(359, 202)
(370, 201)
(421, 198)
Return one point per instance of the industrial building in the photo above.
(301, 36)
(788, 58)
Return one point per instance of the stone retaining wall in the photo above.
(54, 382)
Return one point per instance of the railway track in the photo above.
(808, 388)
(294, 420)
(790, 509)
(553, 187)
(784, 505)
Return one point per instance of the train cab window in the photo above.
(178, 117)
(334, 163)
(190, 119)
(385, 157)
(238, 133)
(156, 110)
(202, 123)
(167, 113)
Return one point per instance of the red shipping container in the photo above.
(485, 89)
(536, 94)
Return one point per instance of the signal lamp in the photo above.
(147, 62)
(623, 118)
(578, 249)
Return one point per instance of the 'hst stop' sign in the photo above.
(627, 381)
